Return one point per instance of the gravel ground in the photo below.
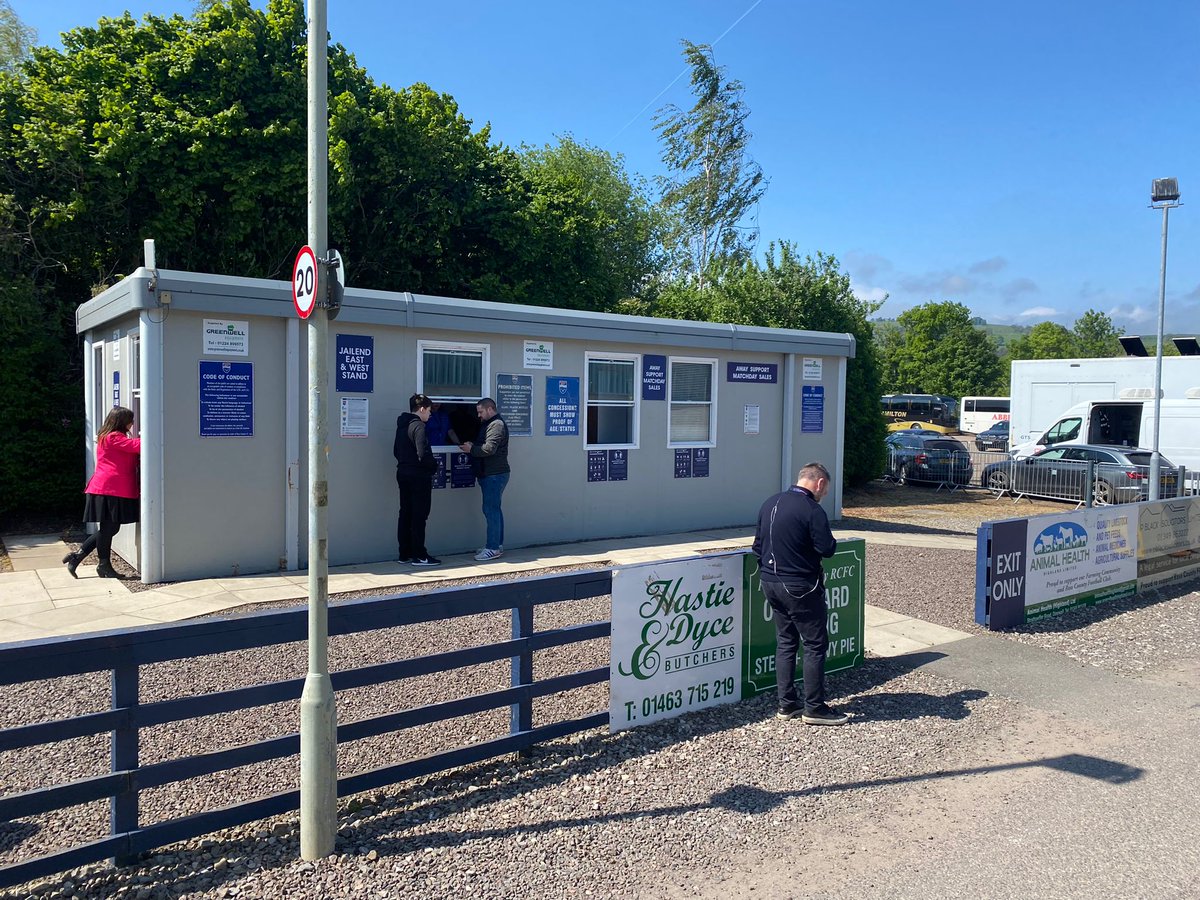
(594, 815)
(1157, 632)
(591, 815)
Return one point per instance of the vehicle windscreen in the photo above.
(943, 445)
(1143, 459)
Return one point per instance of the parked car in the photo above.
(1121, 474)
(995, 438)
(927, 456)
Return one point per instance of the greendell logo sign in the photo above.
(1063, 543)
(229, 329)
(675, 618)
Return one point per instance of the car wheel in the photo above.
(1102, 493)
(997, 480)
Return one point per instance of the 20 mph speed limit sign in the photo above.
(305, 282)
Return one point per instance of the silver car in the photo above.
(1120, 474)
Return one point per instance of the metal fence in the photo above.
(123, 653)
(1085, 482)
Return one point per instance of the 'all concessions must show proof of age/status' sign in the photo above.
(226, 399)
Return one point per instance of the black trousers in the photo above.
(101, 541)
(800, 619)
(416, 498)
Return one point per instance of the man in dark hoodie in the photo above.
(415, 465)
(792, 537)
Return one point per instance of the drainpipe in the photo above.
(153, 482)
(788, 473)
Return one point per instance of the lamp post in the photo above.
(1164, 194)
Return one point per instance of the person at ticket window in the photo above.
(415, 467)
(792, 538)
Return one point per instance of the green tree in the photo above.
(788, 291)
(597, 231)
(1095, 335)
(937, 350)
(714, 183)
(16, 38)
(1046, 340)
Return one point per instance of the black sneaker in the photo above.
(404, 560)
(427, 561)
(787, 713)
(824, 715)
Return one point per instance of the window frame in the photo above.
(591, 356)
(135, 382)
(442, 400)
(711, 402)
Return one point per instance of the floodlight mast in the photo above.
(1164, 194)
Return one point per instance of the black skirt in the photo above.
(106, 508)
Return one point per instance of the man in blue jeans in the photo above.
(490, 455)
(792, 537)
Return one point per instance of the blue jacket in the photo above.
(792, 537)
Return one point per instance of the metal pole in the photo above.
(318, 729)
(1158, 358)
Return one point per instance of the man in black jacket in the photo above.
(791, 539)
(415, 465)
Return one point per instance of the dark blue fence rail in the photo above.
(123, 652)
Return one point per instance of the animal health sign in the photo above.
(1038, 567)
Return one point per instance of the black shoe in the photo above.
(787, 713)
(427, 561)
(404, 560)
(824, 715)
(105, 570)
(72, 561)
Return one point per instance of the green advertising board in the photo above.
(845, 600)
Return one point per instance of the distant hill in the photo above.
(1001, 334)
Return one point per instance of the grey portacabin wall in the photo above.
(224, 498)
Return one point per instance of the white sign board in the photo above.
(231, 338)
(354, 417)
(751, 415)
(676, 638)
(812, 368)
(1089, 553)
(539, 355)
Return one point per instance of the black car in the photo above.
(1119, 474)
(927, 456)
(995, 438)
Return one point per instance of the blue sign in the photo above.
(514, 401)
(654, 377)
(226, 399)
(700, 462)
(355, 363)
(597, 465)
(683, 462)
(562, 405)
(757, 373)
(116, 388)
(812, 409)
(461, 474)
(618, 465)
(439, 477)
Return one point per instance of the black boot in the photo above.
(72, 561)
(105, 570)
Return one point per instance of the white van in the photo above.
(1128, 423)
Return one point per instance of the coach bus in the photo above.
(978, 414)
(932, 411)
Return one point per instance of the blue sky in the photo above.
(996, 154)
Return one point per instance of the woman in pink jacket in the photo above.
(112, 494)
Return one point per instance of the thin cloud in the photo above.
(1018, 287)
(937, 284)
(1040, 312)
(988, 266)
(866, 265)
